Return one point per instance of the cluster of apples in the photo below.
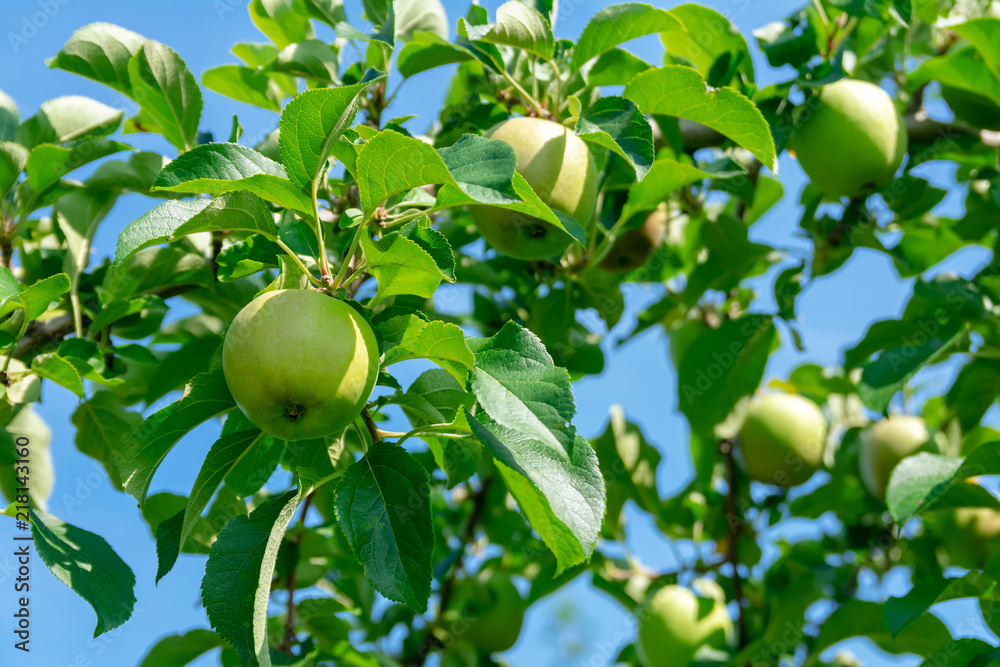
(301, 364)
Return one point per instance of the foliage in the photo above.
(344, 201)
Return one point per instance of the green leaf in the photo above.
(717, 367)
(205, 397)
(310, 59)
(964, 69)
(664, 177)
(383, 507)
(218, 168)
(9, 117)
(391, 162)
(102, 428)
(400, 266)
(680, 91)
(617, 124)
(412, 16)
(48, 163)
(35, 299)
(517, 25)
(974, 391)
(310, 124)
(257, 465)
(79, 214)
(237, 582)
(562, 496)
(68, 118)
(615, 68)
(900, 612)
(13, 158)
(101, 51)
(857, 618)
(153, 269)
(520, 387)
(618, 24)
(330, 12)
(180, 650)
(925, 482)
(628, 465)
(243, 84)
(251, 255)
(914, 479)
(86, 563)
(436, 397)
(222, 457)
(441, 342)
(894, 367)
(238, 211)
(136, 174)
(984, 34)
(427, 51)
(280, 21)
(168, 92)
(710, 42)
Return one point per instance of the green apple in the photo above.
(634, 246)
(674, 623)
(560, 169)
(27, 424)
(850, 138)
(490, 613)
(299, 363)
(968, 535)
(886, 443)
(782, 439)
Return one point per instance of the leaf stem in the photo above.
(526, 96)
(345, 263)
(295, 258)
(558, 101)
(822, 12)
(324, 261)
(10, 355)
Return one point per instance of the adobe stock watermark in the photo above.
(31, 24)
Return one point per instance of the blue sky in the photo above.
(578, 626)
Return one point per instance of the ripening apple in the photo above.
(634, 246)
(560, 169)
(299, 363)
(675, 623)
(850, 138)
(886, 443)
(968, 535)
(782, 439)
(491, 613)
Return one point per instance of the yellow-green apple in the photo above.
(782, 439)
(884, 444)
(299, 363)
(560, 169)
(850, 138)
(674, 623)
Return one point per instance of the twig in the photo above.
(733, 522)
(286, 644)
(448, 585)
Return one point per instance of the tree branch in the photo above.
(733, 522)
(448, 585)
